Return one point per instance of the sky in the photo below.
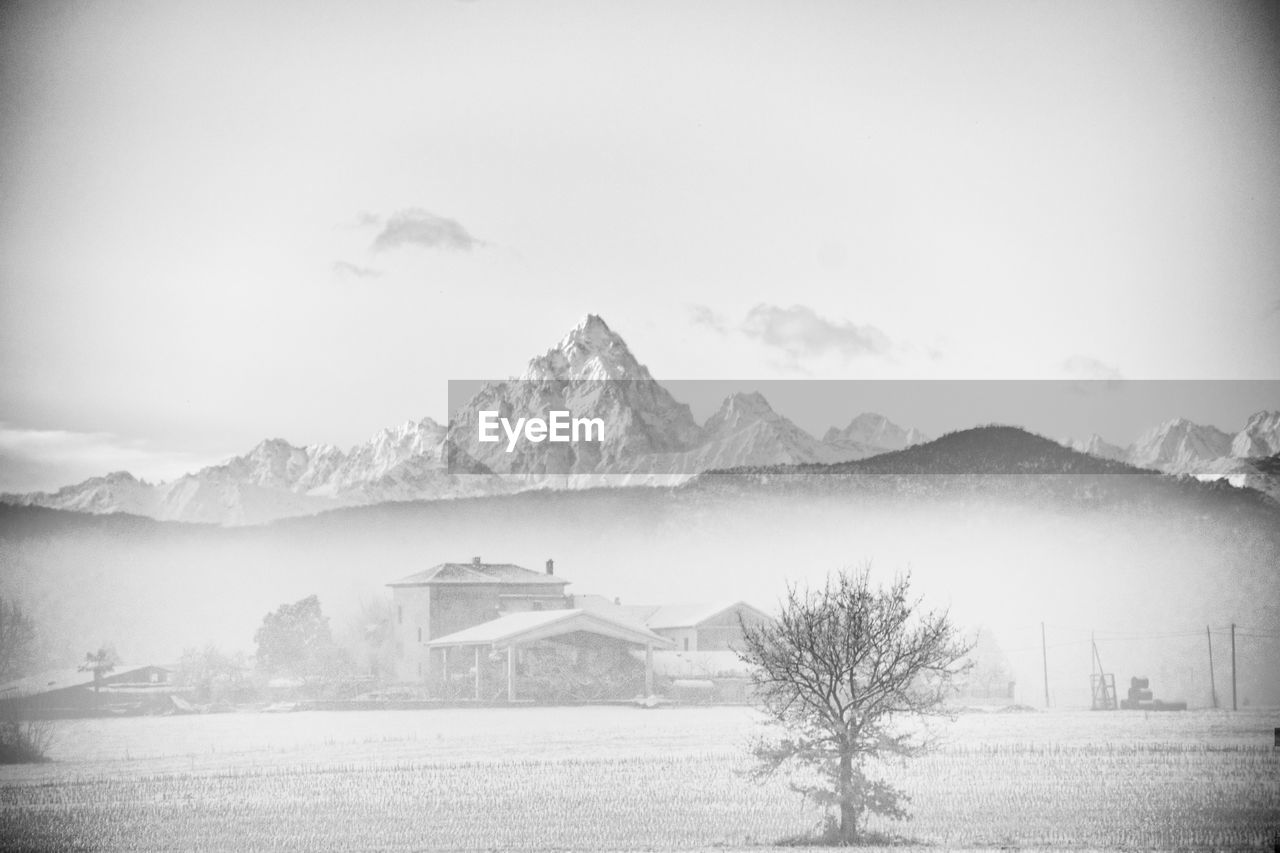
(222, 222)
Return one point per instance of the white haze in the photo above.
(995, 564)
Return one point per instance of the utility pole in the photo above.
(1044, 654)
(1213, 687)
(1233, 667)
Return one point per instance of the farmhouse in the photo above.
(498, 631)
(453, 596)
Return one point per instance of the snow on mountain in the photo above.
(870, 434)
(649, 438)
(323, 460)
(1096, 446)
(1179, 446)
(425, 477)
(591, 351)
(742, 411)
(273, 464)
(746, 431)
(118, 491)
(217, 495)
(384, 451)
(1261, 473)
(590, 374)
(1260, 437)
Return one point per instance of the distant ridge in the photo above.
(590, 370)
(654, 441)
(978, 451)
(1179, 446)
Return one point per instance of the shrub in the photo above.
(25, 741)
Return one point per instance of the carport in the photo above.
(516, 630)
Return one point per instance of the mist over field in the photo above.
(1147, 571)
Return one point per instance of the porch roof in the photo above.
(517, 628)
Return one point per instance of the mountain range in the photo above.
(1179, 446)
(652, 439)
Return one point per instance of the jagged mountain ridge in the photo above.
(277, 480)
(870, 430)
(1179, 446)
(654, 440)
(590, 371)
(1260, 437)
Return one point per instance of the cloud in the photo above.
(801, 332)
(1086, 367)
(1089, 376)
(46, 460)
(417, 227)
(701, 315)
(349, 270)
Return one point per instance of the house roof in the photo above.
(691, 615)
(52, 680)
(45, 682)
(665, 616)
(542, 624)
(478, 573)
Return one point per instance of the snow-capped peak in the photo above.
(590, 351)
(1260, 436)
(1178, 445)
(591, 326)
(874, 430)
(752, 402)
(739, 410)
(386, 449)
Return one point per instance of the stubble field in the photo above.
(626, 778)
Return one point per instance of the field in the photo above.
(626, 778)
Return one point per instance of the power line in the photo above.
(1127, 637)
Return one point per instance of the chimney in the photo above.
(551, 567)
(475, 561)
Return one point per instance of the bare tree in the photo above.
(839, 669)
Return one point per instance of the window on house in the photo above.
(419, 634)
(686, 644)
(399, 614)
